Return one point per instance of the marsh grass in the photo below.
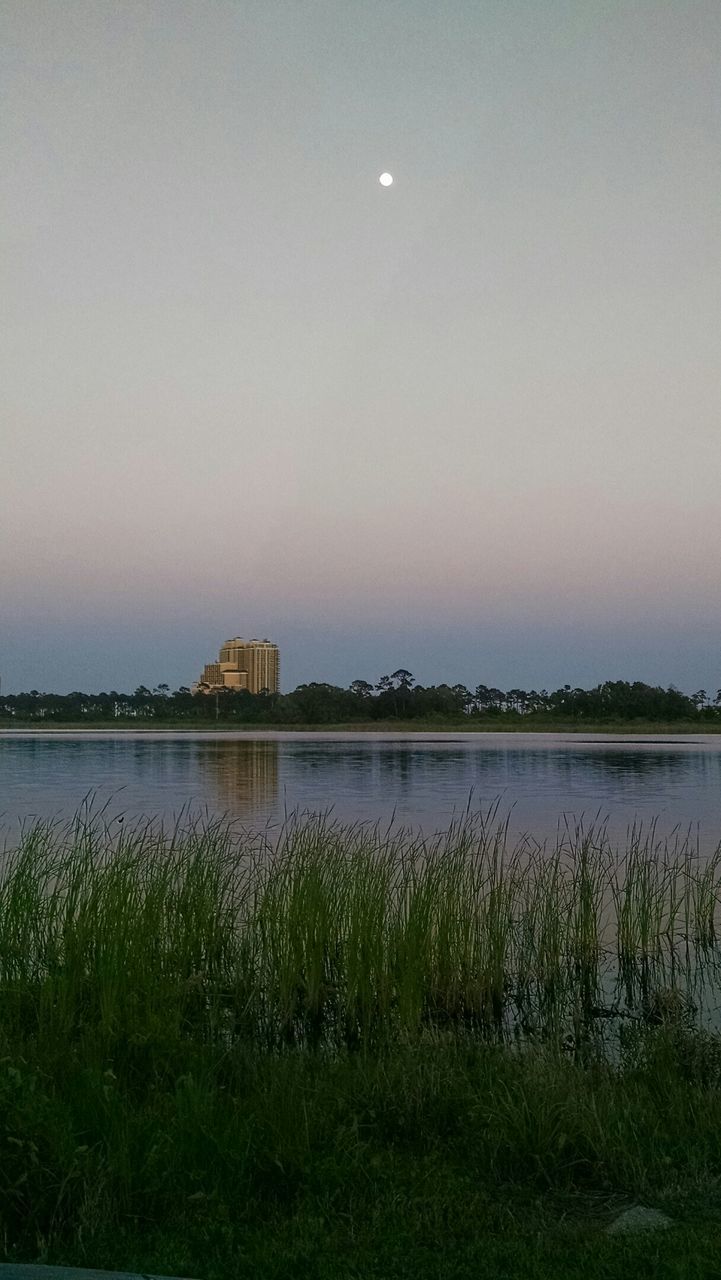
(326, 936)
(337, 1050)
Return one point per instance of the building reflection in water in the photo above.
(243, 774)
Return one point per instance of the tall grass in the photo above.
(346, 937)
(227, 1054)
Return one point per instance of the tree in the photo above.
(318, 703)
(498, 698)
(402, 679)
(515, 697)
(482, 697)
(464, 697)
(361, 689)
(402, 682)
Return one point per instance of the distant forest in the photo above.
(394, 697)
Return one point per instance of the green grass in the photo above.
(350, 1052)
(405, 1164)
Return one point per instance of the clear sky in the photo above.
(468, 424)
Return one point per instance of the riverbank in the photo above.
(390, 727)
(354, 1056)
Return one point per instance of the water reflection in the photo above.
(427, 783)
(241, 776)
(423, 780)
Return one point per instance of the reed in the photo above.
(338, 937)
(349, 1050)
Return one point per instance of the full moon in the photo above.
(386, 179)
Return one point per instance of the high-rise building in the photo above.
(242, 664)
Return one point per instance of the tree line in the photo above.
(393, 697)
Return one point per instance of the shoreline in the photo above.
(400, 728)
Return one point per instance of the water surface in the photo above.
(423, 779)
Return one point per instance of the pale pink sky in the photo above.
(468, 424)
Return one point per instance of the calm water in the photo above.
(424, 779)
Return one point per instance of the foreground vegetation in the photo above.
(350, 1052)
(394, 700)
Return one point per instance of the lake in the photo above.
(423, 779)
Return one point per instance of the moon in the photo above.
(386, 179)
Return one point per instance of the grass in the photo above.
(464, 724)
(352, 1052)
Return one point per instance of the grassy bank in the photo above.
(357, 1054)
(498, 724)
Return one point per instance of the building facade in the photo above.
(253, 665)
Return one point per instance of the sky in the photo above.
(468, 424)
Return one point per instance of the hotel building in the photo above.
(242, 664)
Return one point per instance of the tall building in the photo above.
(242, 664)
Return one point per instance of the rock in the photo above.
(638, 1219)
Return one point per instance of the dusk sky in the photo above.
(468, 424)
